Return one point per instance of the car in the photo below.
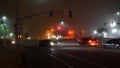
(58, 43)
(88, 41)
(44, 43)
(64, 43)
(112, 43)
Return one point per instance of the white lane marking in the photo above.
(83, 60)
(61, 61)
(58, 59)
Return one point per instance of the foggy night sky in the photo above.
(87, 14)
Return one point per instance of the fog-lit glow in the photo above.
(52, 43)
(11, 34)
(4, 18)
(95, 32)
(113, 24)
(105, 34)
(52, 49)
(63, 44)
(114, 30)
(13, 41)
(29, 38)
(62, 23)
(1, 37)
(118, 13)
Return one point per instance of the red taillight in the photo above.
(93, 42)
(90, 41)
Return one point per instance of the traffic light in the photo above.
(70, 13)
(51, 13)
(59, 27)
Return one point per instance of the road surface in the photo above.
(70, 57)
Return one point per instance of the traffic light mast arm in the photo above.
(50, 14)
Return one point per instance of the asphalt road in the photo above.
(70, 57)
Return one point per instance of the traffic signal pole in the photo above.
(17, 21)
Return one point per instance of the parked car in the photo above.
(112, 43)
(88, 41)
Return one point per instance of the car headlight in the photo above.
(13, 41)
(51, 43)
(117, 45)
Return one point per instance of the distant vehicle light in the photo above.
(13, 41)
(51, 43)
(52, 49)
(89, 41)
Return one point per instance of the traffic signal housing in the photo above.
(59, 27)
(70, 13)
(51, 13)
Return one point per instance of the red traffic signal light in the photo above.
(59, 27)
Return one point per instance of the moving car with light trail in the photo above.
(58, 43)
(64, 43)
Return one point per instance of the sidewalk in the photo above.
(10, 57)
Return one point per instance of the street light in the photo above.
(114, 30)
(95, 32)
(118, 13)
(4, 17)
(113, 24)
(4, 26)
(62, 23)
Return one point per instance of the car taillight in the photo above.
(97, 41)
(90, 41)
(93, 42)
